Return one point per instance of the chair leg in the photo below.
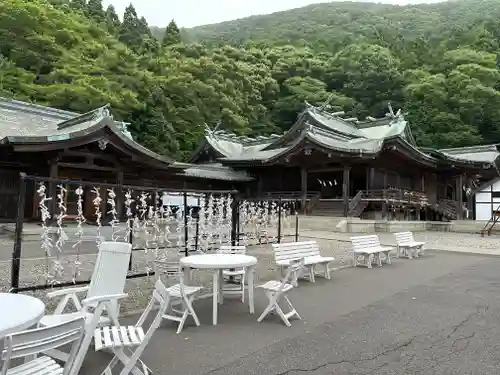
(311, 273)
(369, 260)
(409, 254)
(327, 271)
(290, 306)
(268, 309)
(282, 315)
(295, 278)
(183, 320)
(388, 257)
(243, 277)
(189, 304)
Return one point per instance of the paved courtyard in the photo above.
(434, 315)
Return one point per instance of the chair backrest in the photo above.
(295, 250)
(172, 270)
(110, 269)
(295, 266)
(403, 237)
(228, 249)
(35, 341)
(365, 242)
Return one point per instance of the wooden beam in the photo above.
(88, 167)
(345, 189)
(330, 169)
(90, 156)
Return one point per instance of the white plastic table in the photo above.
(219, 262)
(19, 312)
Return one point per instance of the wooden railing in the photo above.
(290, 195)
(355, 201)
(400, 195)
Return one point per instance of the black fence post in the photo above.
(234, 221)
(130, 223)
(186, 229)
(16, 254)
(279, 219)
(296, 225)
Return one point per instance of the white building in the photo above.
(485, 197)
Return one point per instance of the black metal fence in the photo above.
(48, 209)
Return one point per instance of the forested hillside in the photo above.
(438, 62)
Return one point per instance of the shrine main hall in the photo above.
(331, 164)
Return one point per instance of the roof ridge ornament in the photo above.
(94, 115)
(123, 126)
(391, 112)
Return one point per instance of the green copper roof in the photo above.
(22, 122)
(331, 132)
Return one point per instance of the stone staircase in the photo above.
(327, 207)
(319, 223)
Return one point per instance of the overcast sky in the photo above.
(189, 13)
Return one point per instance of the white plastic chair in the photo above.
(276, 290)
(128, 343)
(107, 282)
(34, 341)
(239, 273)
(177, 295)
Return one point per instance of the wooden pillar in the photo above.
(259, 186)
(345, 189)
(120, 195)
(384, 202)
(53, 187)
(372, 178)
(471, 205)
(459, 183)
(303, 188)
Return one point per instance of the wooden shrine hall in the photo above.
(342, 166)
(48, 142)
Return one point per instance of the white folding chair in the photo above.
(34, 341)
(276, 290)
(107, 282)
(128, 343)
(238, 273)
(177, 295)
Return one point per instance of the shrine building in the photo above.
(333, 165)
(342, 166)
(42, 141)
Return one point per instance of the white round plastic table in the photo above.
(220, 262)
(19, 312)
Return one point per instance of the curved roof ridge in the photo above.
(18, 105)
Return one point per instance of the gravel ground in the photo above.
(435, 315)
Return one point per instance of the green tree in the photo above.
(151, 128)
(368, 73)
(111, 19)
(79, 4)
(130, 32)
(172, 35)
(95, 10)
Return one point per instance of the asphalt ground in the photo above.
(435, 315)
